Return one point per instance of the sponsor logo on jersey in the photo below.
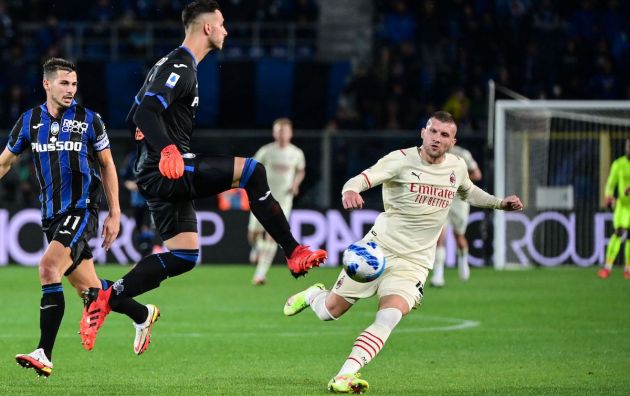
(179, 65)
(452, 178)
(416, 175)
(56, 146)
(74, 126)
(172, 80)
(195, 102)
(38, 126)
(161, 62)
(54, 128)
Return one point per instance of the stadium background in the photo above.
(357, 77)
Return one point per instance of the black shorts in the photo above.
(171, 201)
(73, 229)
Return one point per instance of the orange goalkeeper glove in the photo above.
(171, 162)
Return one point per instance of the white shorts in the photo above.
(401, 278)
(286, 203)
(458, 216)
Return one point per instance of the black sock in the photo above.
(128, 306)
(150, 272)
(50, 314)
(265, 207)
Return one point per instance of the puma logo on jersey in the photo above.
(416, 175)
(38, 126)
(179, 65)
(265, 196)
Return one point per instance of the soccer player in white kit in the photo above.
(419, 185)
(285, 172)
(458, 219)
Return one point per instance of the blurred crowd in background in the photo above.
(426, 54)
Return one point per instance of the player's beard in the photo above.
(435, 154)
(60, 103)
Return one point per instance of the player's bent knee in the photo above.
(183, 260)
(337, 305)
(49, 269)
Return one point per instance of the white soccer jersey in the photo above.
(471, 164)
(458, 216)
(281, 163)
(416, 197)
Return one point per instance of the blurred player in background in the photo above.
(458, 219)
(419, 185)
(64, 138)
(285, 172)
(170, 176)
(619, 179)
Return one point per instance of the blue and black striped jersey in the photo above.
(173, 82)
(63, 154)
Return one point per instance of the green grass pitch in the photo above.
(539, 332)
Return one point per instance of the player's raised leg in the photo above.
(251, 175)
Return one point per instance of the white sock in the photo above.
(313, 292)
(438, 266)
(318, 305)
(371, 341)
(266, 253)
(462, 264)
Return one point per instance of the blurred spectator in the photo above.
(6, 26)
(14, 103)
(458, 104)
(423, 50)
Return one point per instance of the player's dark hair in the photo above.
(54, 64)
(196, 8)
(444, 116)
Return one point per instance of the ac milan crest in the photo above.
(340, 282)
(452, 178)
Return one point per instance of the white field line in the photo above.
(409, 325)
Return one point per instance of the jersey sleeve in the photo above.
(100, 140)
(171, 83)
(301, 161)
(465, 186)
(385, 169)
(18, 141)
(613, 178)
(471, 164)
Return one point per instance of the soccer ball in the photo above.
(363, 261)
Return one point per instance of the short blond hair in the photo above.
(283, 121)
